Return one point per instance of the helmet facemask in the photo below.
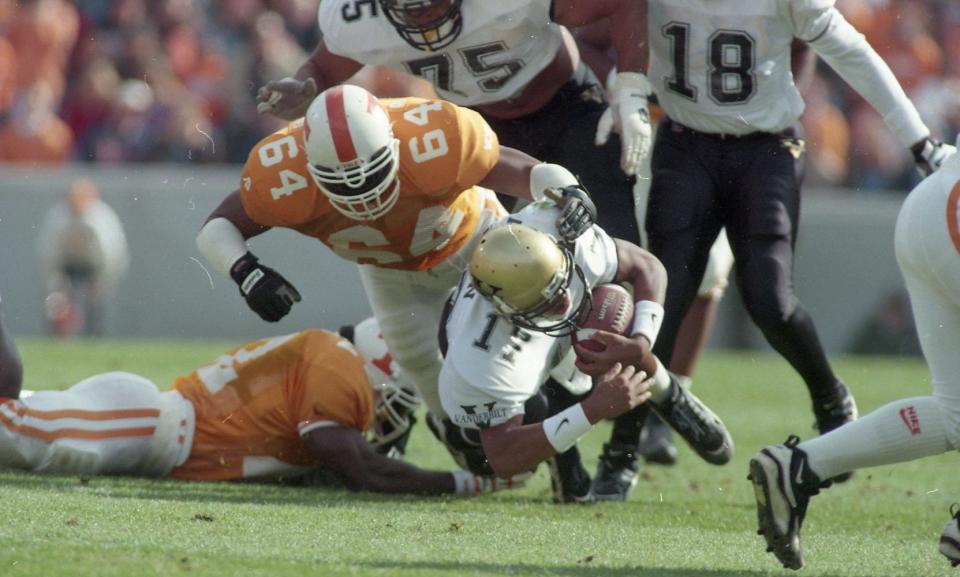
(393, 412)
(424, 24)
(364, 189)
(395, 398)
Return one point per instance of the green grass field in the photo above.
(690, 520)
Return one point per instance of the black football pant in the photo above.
(751, 185)
(562, 132)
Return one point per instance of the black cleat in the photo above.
(950, 538)
(616, 473)
(834, 411)
(570, 484)
(656, 442)
(696, 423)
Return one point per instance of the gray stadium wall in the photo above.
(845, 265)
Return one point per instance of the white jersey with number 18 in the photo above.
(723, 66)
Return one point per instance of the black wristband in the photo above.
(240, 269)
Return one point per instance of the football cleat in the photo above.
(616, 473)
(656, 442)
(834, 411)
(570, 482)
(696, 423)
(782, 489)
(950, 538)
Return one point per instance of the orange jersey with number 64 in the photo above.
(255, 404)
(445, 150)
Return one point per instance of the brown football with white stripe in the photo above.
(612, 311)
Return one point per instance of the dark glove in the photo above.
(929, 154)
(266, 292)
(578, 213)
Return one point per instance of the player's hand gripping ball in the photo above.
(612, 311)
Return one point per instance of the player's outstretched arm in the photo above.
(289, 98)
(222, 241)
(346, 454)
(513, 448)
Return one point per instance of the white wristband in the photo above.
(633, 81)
(544, 176)
(564, 429)
(221, 243)
(467, 483)
(647, 318)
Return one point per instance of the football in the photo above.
(612, 311)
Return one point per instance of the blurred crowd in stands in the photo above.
(175, 80)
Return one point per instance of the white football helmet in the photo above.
(396, 398)
(531, 278)
(352, 154)
(425, 24)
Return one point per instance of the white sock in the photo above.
(661, 384)
(903, 430)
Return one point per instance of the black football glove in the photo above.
(266, 292)
(578, 213)
(929, 154)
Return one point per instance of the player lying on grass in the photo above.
(274, 408)
(508, 324)
(927, 243)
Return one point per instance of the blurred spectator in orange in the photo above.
(43, 34)
(33, 131)
(8, 74)
(827, 135)
(83, 254)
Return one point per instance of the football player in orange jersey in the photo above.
(403, 187)
(270, 409)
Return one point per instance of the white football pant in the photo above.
(113, 423)
(408, 306)
(927, 243)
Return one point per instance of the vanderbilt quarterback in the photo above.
(401, 187)
(508, 325)
(274, 408)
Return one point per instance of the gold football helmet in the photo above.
(531, 278)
